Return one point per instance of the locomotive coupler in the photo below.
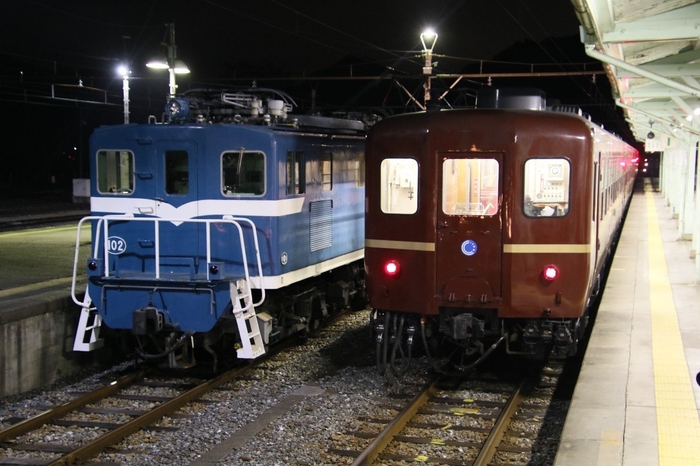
(147, 321)
(464, 326)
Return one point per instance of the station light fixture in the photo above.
(171, 62)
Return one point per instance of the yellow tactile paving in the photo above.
(677, 419)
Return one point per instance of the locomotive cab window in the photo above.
(547, 186)
(243, 173)
(115, 171)
(470, 187)
(399, 186)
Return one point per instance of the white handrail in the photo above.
(103, 224)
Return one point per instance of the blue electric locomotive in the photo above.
(229, 220)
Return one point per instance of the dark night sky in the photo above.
(298, 34)
(62, 43)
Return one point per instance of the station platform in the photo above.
(38, 318)
(636, 401)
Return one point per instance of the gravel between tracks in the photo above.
(314, 392)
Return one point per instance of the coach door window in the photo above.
(470, 187)
(546, 187)
(115, 171)
(399, 186)
(243, 173)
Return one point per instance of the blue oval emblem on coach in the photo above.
(469, 247)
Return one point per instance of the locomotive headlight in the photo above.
(177, 108)
(392, 268)
(550, 272)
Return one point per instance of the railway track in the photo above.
(142, 400)
(87, 410)
(467, 421)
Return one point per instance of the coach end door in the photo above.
(469, 228)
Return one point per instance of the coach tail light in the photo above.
(550, 272)
(392, 268)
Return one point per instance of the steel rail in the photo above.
(499, 428)
(39, 420)
(385, 436)
(93, 448)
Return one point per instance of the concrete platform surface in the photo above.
(636, 400)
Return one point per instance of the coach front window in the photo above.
(243, 173)
(115, 171)
(399, 186)
(546, 187)
(470, 187)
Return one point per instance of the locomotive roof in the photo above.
(257, 106)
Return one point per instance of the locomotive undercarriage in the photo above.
(291, 311)
(468, 338)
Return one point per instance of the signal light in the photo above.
(392, 268)
(550, 272)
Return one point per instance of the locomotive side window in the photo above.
(296, 173)
(177, 172)
(399, 186)
(327, 171)
(470, 187)
(546, 183)
(115, 171)
(243, 173)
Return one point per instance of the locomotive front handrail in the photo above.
(102, 227)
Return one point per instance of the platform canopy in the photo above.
(651, 53)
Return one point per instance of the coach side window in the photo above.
(546, 187)
(470, 187)
(115, 171)
(243, 173)
(399, 186)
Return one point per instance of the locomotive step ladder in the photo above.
(87, 336)
(247, 321)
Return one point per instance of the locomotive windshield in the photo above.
(470, 187)
(546, 192)
(243, 173)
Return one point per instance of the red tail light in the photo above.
(392, 268)
(550, 272)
